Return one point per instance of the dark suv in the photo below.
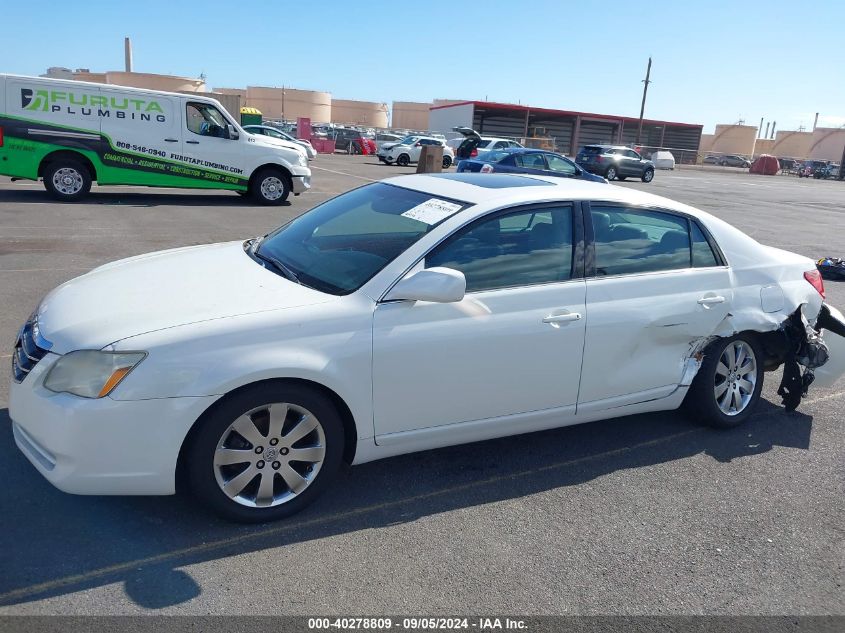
(615, 162)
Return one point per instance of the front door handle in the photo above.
(556, 319)
(713, 300)
(172, 140)
(193, 142)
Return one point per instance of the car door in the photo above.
(513, 345)
(206, 140)
(657, 289)
(531, 163)
(634, 164)
(559, 166)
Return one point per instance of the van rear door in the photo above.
(144, 131)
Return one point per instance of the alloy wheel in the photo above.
(736, 378)
(269, 455)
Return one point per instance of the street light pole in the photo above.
(646, 82)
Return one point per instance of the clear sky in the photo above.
(714, 62)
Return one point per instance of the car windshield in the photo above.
(339, 245)
(592, 150)
(408, 140)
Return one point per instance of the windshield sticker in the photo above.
(432, 211)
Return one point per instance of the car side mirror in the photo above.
(231, 132)
(438, 284)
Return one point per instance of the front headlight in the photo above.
(303, 159)
(90, 373)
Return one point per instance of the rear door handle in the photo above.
(193, 142)
(556, 319)
(172, 140)
(707, 301)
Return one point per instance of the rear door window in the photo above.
(629, 241)
(702, 253)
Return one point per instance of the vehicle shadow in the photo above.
(136, 199)
(54, 544)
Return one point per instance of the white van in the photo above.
(71, 133)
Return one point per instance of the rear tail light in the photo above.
(473, 153)
(814, 277)
(487, 168)
(599, 159)
(1, 137)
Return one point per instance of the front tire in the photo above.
(266, 452)
(648, 175)
(67, 180)
(403, 160)
(270, 187)
(727, 388)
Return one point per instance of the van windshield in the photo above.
(341, 244)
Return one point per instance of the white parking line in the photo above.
(343, 173)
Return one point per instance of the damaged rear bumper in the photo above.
(831, 325)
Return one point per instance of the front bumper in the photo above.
(103, 446)
(300, 184)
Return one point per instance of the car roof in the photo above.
(524, 188)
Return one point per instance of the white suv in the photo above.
(408, 151)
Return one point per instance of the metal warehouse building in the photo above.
(569, 130)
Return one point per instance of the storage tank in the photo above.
(827, 144)
(359, 112)
(734, 139)
(791, 144)
(151, 81)
(410, 115)
(289, 103)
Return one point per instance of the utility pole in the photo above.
(646, 82)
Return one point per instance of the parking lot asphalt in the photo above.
(648, 514)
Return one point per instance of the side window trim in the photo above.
(589, 256)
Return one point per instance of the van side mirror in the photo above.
(438, 284)
(232, 132)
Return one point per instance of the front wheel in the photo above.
(266, 452)
(67, 180)
(727, 388)
(403, 160)
(611, 173)
(648, 175)
(270, 187)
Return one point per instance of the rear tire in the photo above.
(725, 395)
(270, 187)
(211, 467)
(447, 162)
(648, 175)
(611, 173)
(67, 180)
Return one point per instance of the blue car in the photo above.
(522, 160)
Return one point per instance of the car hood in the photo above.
(275, 143)
(162, 290)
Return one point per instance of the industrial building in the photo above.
(569, 130)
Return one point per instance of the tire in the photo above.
(447, 162)
(403, 160)
(702, 402)
(67, 180)
(212, 461)
(270, 187)
(353, 149)
(648, 175)
(611, 173)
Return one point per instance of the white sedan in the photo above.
(409, 314)
(409, 149)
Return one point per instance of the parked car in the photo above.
(615, 162)
(808, 167)
(787, 165)
(711, 160)
(273, 132)
(472, 144)
(408, 151)
(733, 160)
(521, 160)
(351, 141)
(384, 138)
(830, 170)
(403, 316)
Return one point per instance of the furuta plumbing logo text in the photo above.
(67, 102)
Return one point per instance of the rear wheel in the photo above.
(67, 180)
(727, 388)
(447, 162)
(648, 175)
(270, 187)
(403, 160)
(611, 173)
(266, 452)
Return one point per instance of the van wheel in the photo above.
(403, 160)
(270, 187)
(67, 180)
(266, 452)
